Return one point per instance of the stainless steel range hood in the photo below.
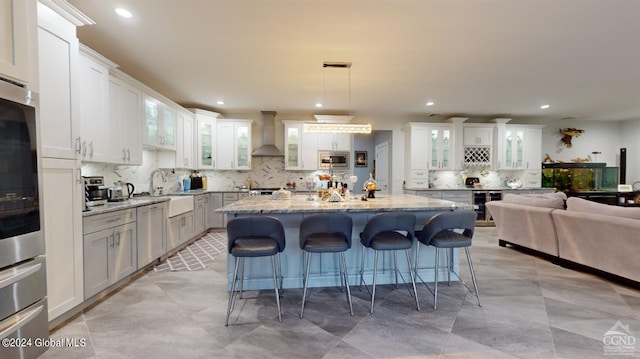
(268, 148)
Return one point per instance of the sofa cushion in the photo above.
(535, 201)
(582, 205)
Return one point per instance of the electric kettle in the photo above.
(130, 188)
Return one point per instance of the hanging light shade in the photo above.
(337, 123)
(337, 127)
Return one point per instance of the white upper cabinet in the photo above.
(417, 146)
(125, 112)
(97, 134)
(233, 145)
(520, 147)
(182, 157)
(441, 147)
(16, 18)
(478, 136)
(58, 70)
(477, 149)
(206, 137)
(429, 145)
(334, 141)
(160, 124)
(301, 151)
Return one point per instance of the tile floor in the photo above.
(531, 308)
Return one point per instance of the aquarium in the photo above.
(579, 177)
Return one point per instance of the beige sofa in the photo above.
(526, 220)
(599, 236)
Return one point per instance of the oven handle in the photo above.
(22, 273)
(20, 320)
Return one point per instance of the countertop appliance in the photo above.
(470, 182)
(333, 160)
(95, 192)
(120, 191)
(116, 194)
(23, 285)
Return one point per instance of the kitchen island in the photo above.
(324, 268)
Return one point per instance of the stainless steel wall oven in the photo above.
(23, 286)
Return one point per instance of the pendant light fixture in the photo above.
(336, 123)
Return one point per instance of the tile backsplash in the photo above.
(453, 179)
(266, 172)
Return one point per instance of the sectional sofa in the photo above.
(573, 230)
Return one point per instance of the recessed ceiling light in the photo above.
(430, 103)
(124, 12)
(544, 107)
(220, 102)
(318, 105)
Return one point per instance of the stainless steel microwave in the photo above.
(333, 159)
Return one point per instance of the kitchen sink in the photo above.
(180, 204)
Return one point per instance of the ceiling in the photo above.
(474, 58)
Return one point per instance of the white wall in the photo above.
(598, 136)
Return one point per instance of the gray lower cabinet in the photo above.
(152, 233)
(110, 250)
(216, 220)
(180, 229)
(199, 213)
(457, 196)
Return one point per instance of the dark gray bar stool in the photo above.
(326, 233)
(443, 231)
(254, 237)
(389, 231)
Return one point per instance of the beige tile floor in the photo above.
(531, 308)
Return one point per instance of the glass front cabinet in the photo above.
(160, 125)
(440, 150)
(520, 147)
(206, 138)
(233, 145)
(300, 147)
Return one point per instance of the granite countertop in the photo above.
(477, 189)
(121, 205)
(147, 200)
(299, 204)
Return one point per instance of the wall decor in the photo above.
(361, 158)
(569, 134)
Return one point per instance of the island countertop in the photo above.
(299, 204)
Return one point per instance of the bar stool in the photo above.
(326, 233)
(250, 237)
(383, 233)
(442, 231)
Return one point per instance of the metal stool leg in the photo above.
(435, 291)
(346, 281)
(232, 291)
(395, 265)
(275, 286)
(413, 280)
(241, 276)
(306, 282)
(473, 275)
(375, 272)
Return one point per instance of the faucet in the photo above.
(157, 191)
